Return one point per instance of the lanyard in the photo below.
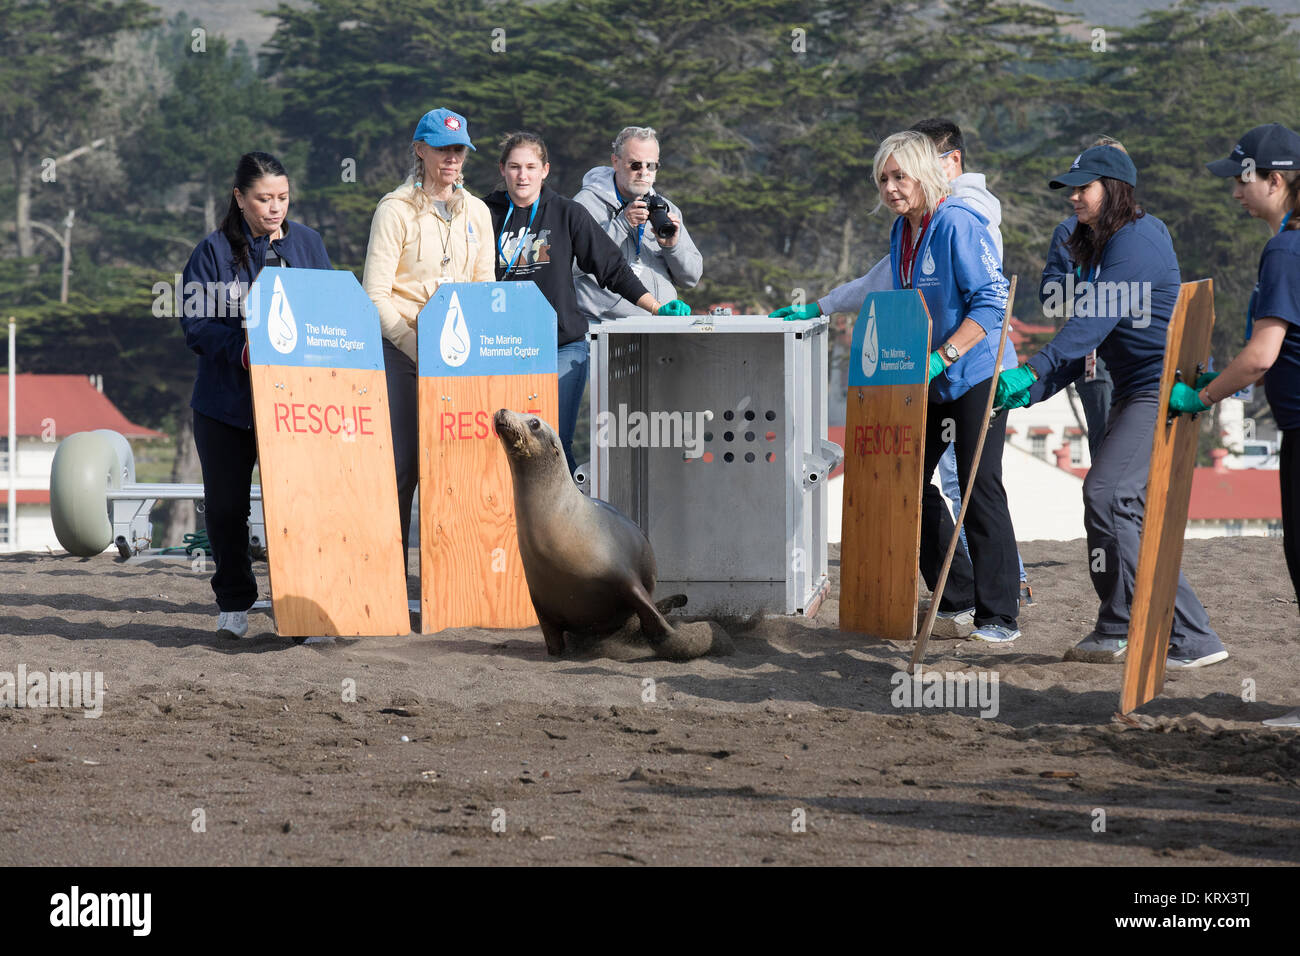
(505, 224)
(911, 249)
(1254, 295)
(640, 230)
(1090, 277)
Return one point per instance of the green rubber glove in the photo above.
(1204, 379)
(793, 313)
(1013, 387)
(1184, 400)
(675, 307)
(936, 366)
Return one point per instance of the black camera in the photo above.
(664, 227)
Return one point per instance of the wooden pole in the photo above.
(923, 637)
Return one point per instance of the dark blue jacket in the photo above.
(212, 320)
(1123, 312)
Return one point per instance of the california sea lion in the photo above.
(589, 568)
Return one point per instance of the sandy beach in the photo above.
(471, 746)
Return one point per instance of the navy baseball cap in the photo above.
(443, 128)
(1096, 162)
(1271, 146)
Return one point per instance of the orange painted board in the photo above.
(329, 497)
(471, 574)
(482, 346)
(884, 463)
(329, 489)
(1169, 490)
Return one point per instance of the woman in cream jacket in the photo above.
(427, 231)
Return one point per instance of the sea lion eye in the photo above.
(534, 424)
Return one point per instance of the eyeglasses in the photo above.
(947, 154)
(636, 165)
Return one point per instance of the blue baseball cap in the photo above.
(1271, 146)
(443, 128)
(1096, 162)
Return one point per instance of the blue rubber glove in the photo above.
(936, 366)
(1204, 379)
(1013, 387)
(793, 313)
(675, 307)
(1185, 400)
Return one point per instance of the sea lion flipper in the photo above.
(554, 636)
(653, 624)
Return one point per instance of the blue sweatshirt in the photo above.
(1278, 297)
(212, 318)
(958, 273)
(1121, 308)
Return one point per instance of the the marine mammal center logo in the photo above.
(927, 264)
(281, 327)
(454, 343)
(870, 345)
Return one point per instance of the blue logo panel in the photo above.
(487, 328)
(891, 340)
(315, 318)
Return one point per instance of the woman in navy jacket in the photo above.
(255, 233)
(943, 250)
(1128, 284)
(1266, 166)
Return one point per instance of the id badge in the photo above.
(1090, 367)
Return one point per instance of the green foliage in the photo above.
(769, 113)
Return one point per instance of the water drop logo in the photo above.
(280, 324)
(870, 345)
(454, 344)
(927, 264)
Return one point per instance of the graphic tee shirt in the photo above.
(1278, 297)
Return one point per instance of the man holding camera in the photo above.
(645, 225)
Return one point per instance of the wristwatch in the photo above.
(950, 352)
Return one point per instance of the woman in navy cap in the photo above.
(427, 231)
(1266, 167)
(1129, 282)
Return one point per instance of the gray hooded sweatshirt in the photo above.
(971, 190)
(660, 270)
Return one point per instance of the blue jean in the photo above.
(952, 491)
(571, 360)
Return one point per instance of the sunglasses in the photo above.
(636, 165)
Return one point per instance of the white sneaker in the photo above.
(953, 623)
(1286, 720)
(1189, 663)
(232, 624)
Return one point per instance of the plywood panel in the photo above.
(1169, 490)
(329, 495)
(884, 459)
(471, 573)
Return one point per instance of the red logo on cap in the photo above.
(451, 123)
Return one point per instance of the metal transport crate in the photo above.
(710, 433)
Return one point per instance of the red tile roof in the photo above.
(1248, 494)
(26, 496)
(70, 401)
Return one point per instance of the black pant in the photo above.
(404, 416)
(992, 586)
(1289, 475)
(227, 454)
